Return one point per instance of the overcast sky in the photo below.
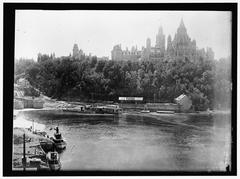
(96, 32)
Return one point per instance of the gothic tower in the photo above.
(170, 49)
(160, 40)
(75, 51)
(148, 44)
(117, 52)
(182, 43)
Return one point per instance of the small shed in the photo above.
(28, 103)
(18, 104)
(184, 102)
(38, 104)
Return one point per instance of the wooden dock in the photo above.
(166, 112)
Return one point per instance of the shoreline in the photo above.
(53, 104)
(61, 108)
(17, 145)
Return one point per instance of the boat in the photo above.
(47, 146)
(53, 161)
(145, 111)
(35, 162)
(79, 109)
(108, 109)
(41, 133)
(58, 140)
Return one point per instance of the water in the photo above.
(168, 143)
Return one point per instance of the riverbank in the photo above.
(31, 140)
(53, 104)
(179, 114)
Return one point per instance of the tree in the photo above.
(207, 82)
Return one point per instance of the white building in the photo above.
(184, 102)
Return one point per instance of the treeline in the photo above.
(207, 82)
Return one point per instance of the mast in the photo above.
(24, 155)
(33, 126)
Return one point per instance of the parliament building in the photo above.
(180, 46)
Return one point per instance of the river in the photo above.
(174, 142)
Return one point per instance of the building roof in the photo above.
(17, 85)
(180, 97)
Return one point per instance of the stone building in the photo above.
(146, 51)
(184, 102)
(77, 53)
(160, 42)
(148, 44)
(181, 46)
(170, 49)
(156, 52)
(119, 54)
(133, 55)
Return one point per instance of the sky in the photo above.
(96, 32)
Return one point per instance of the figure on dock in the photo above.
(57, 130)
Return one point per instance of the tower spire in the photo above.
(160, 30)
(182, 23)
(182, 29)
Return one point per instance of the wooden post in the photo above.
(24, 155)
(33, 126)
